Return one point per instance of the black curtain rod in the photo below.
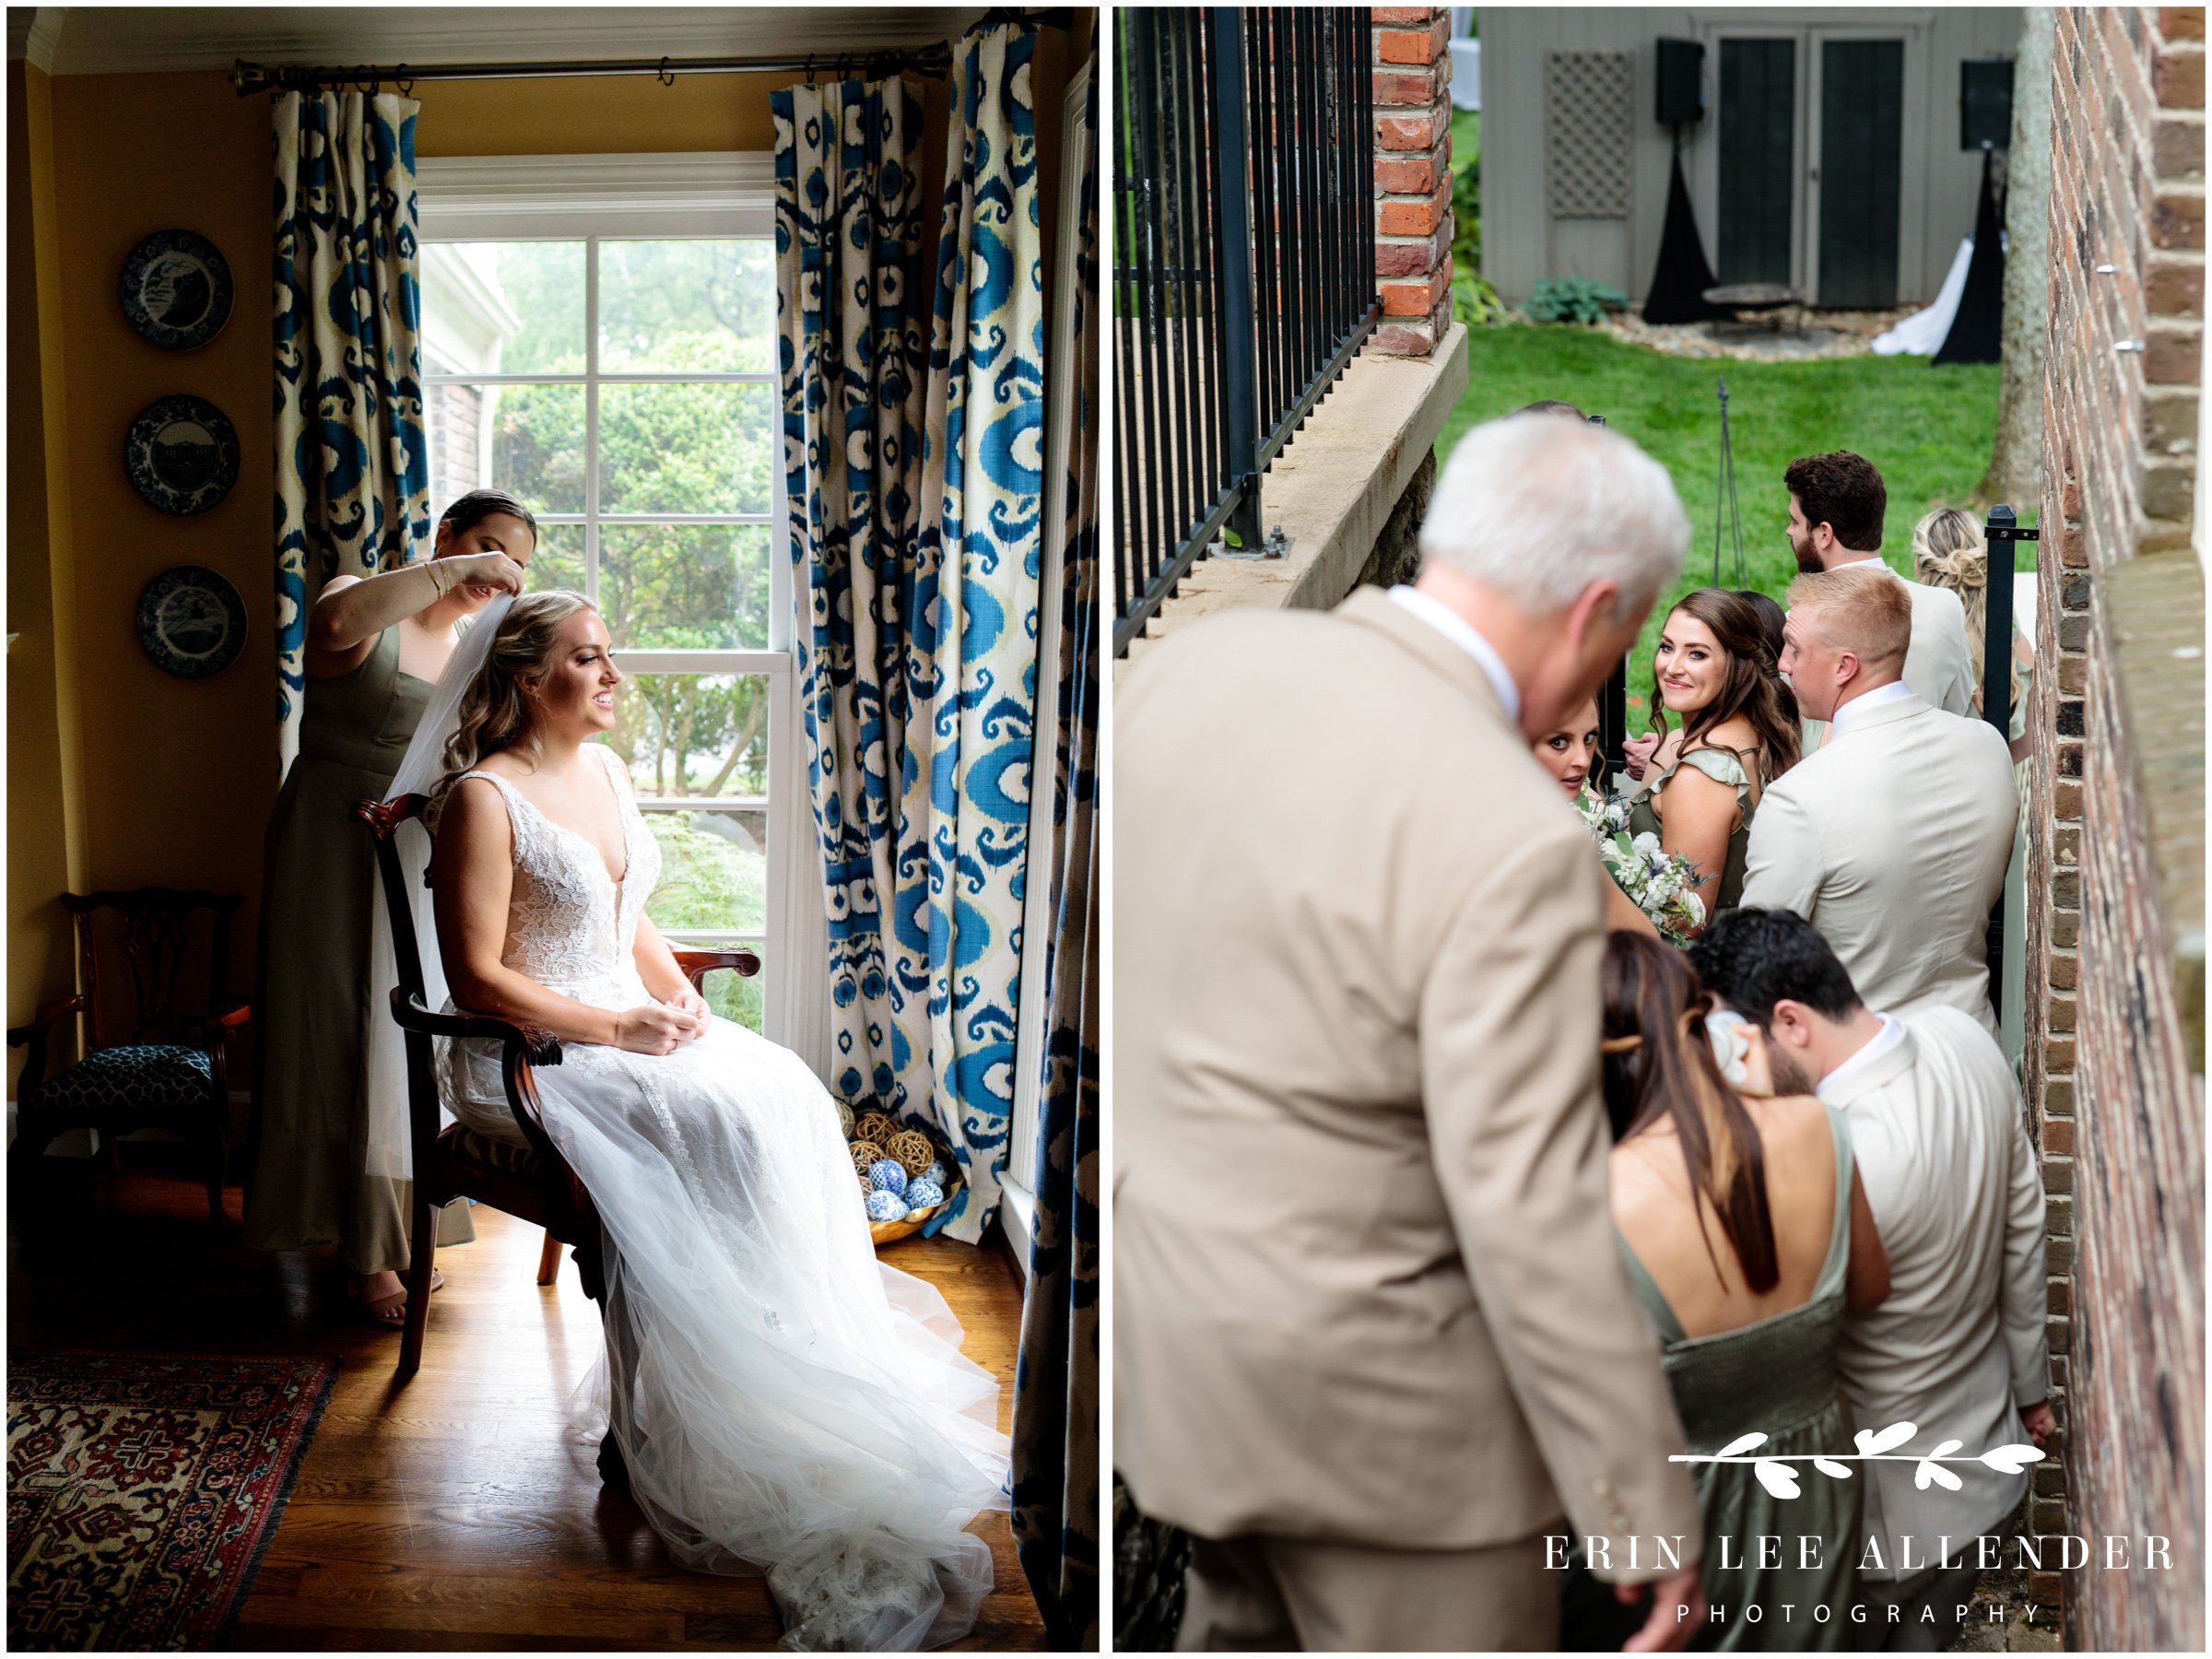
(934, 59)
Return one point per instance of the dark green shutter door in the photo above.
(1758, 126)
(1862, 151)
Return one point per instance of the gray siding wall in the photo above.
(1523, 244)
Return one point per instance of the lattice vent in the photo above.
(1589, 132)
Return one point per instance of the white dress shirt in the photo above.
(1958, 1345)
(1461, 632)
(1837, 1086)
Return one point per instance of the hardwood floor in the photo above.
(458, 1510)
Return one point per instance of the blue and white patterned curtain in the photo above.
(353, 477)
(1057, 1384)
(915, 484)
(853, 356)
(983, 483)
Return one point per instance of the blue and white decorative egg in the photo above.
(921, 1193)
(888, 1176)
(886, 1206)
(936, 1174)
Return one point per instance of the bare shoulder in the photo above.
(1792, 1117)
(473, 812)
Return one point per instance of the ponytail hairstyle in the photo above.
(470, 511)
(1657, 1064)
(495, 713)
(1752, 688)
(1951, 550)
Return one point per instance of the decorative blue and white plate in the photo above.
(176, 289)
(181, 455)
(192, 622)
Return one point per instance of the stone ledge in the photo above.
(2154, 613)
(1332, 488)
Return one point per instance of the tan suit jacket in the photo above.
(1958, 1347)
(1936, 664)
(1365, 1281)
(1892, 841)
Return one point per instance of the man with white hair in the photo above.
(1374, 1342)
(1892, 838)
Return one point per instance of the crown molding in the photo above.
(134, 40)
(34, 33)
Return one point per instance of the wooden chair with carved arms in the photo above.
(532, 1182)
(164, 1066)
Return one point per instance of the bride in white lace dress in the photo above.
(784, 1402)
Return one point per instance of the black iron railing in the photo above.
(1244, 266)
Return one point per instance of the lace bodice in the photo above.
(568, 926)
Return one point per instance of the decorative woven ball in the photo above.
(886, 1206)
(912, 1149)
(937, 1174)
(844, 1120)
(864, 1154)
(875, 1126)
(922, 1194)
(888, 1176)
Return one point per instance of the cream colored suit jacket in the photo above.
(1365, 1282)
(1893, 839)
(1936, 664)
(1958, 1347)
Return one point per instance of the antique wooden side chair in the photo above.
(161, 1065)
(532, 1182)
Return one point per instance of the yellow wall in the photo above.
(44, 762)
(179, 777)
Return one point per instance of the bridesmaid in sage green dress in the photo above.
(1716, 670)
(374, 648)
(1746, 1236)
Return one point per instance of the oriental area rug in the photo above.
(142, 1490)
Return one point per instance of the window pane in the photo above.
(736, 998)
(694, 734)
(504, 308)
(686, 448)
(713, 870)
(685, 587)
(665, 307)
(538, 445)
(558, 561)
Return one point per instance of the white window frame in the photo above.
(670, 197)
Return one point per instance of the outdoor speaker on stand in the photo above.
(1676, 293)
(1984, 123)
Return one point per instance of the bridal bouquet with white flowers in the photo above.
(1660, 884)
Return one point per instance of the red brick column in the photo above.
(1413, 178)
(2109, 1089)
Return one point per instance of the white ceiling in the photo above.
(104, 40)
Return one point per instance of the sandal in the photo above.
(390, 1312)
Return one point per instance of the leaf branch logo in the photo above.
(1774, 1471)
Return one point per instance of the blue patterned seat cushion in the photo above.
(153, 1079)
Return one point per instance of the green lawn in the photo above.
(1930, 430)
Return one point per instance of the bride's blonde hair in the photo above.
(1951, 550)
(495, 709)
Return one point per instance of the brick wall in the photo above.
(2116, 1056)
(1413, 178)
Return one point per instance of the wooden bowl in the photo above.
(891, 1232)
